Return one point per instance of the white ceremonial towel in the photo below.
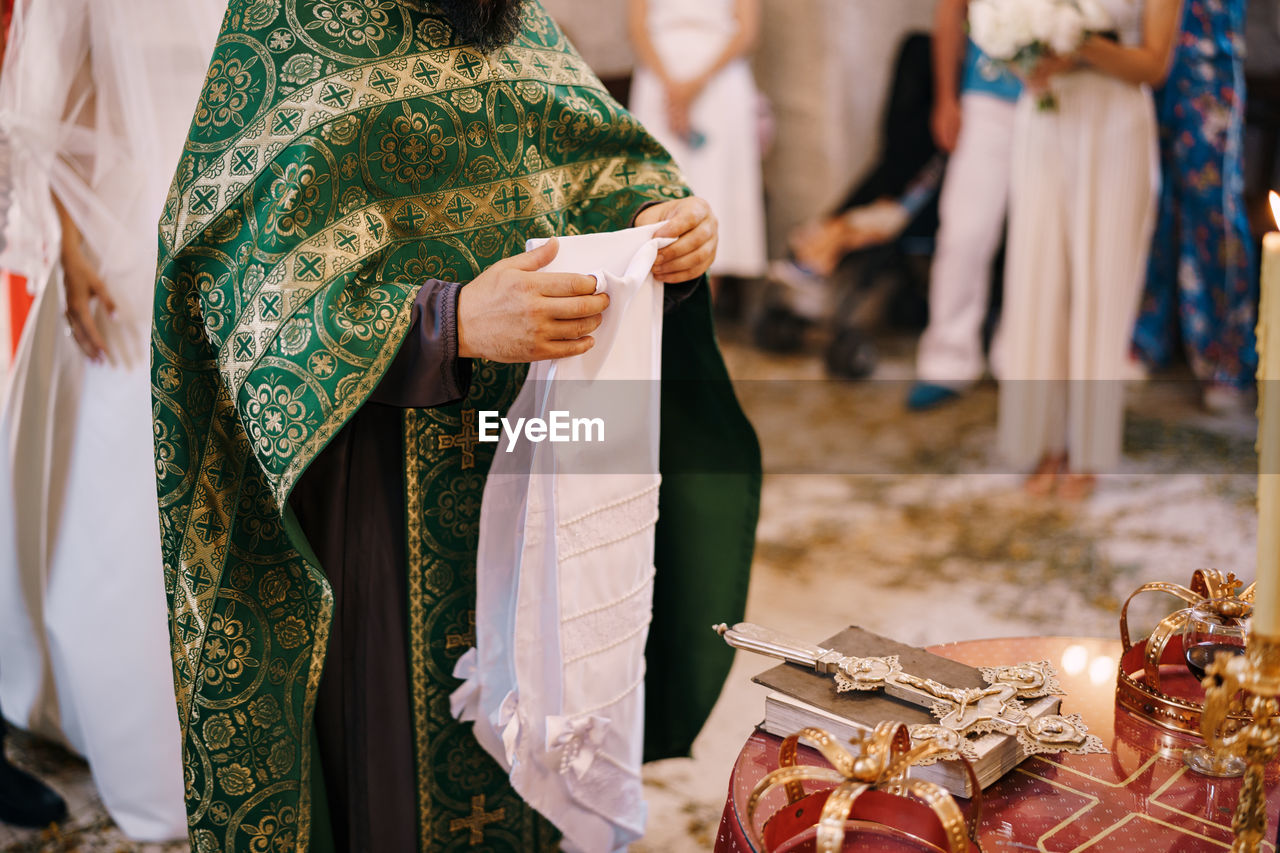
(555, 684)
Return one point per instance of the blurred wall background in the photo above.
(598, 28)
(1262, 107)
(1262, 33)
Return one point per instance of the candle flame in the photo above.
(1275, 206)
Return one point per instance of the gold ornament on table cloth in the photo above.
(1138, 685)
(960, 712)
(880, 763)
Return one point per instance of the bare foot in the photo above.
(1041, 482)
(1077, 487)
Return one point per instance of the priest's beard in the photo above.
(486, 24)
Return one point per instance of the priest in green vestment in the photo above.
(317, 369)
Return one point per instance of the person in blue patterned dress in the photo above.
(1201, 280)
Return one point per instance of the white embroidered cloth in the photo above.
(555, 684)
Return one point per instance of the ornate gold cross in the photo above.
(959, 711)
(464, 641)
(478, 820)
(466, 440)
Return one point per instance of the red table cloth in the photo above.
(1138, 797)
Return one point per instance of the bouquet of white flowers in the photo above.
(1022, 32)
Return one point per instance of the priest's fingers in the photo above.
(653, 213)
(563, 349)
(689, 267)
(684, 216)
(561, 284)
(575, 307)
(572, 330)
(693, 240)
(534, 259)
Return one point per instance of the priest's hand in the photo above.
(697, 234)
(512, 313)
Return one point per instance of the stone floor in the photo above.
(906, 525)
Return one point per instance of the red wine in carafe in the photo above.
(1200, 655)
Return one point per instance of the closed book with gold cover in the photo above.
(802, 697)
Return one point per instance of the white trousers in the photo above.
(1082, 206)
(971, 212)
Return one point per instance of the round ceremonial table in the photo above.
(1138, 797)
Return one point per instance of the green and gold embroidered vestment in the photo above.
(342, 153)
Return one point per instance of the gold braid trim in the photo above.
(416, 456)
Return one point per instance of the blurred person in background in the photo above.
(850, 265)
(1202, 285)
(95, 99)
(972, 121)
(693, 90)
(898, 186)
(1082, 211)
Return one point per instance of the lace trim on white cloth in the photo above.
(626, 517)
(619, 502)
(640, 587)
(597, 630)
(608, 626)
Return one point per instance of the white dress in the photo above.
(564, 572)
(1082, 209)
(725, 169)
(95, 101)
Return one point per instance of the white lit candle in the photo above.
(1266, 613)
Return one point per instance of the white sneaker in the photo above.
(1226, 399)
(806, 294)
(1134, 371)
